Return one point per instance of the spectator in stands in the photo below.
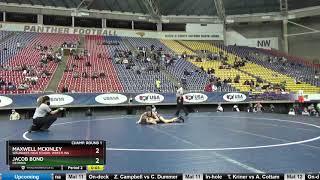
(158, 85)
(258, 88)
(23, 86)
(14, 115)
(18, 45)
(11, 86)
(125, 61)
(184, 82)
(237, 79)
(58, 57)
(210, 87)
(186, 72)
(84, 75)
(202, 69)
(117, 60)
(229, 80)
(246, 82)
(64, 89)
(75, 74)
(102, 75)
(259, 80)
(94, 75)
(24, 72)
(180, 91)
(88, 64)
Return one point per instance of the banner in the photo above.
(124, 99)
(308, 97)
(234, 37)
(209, 35)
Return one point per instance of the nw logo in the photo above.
(264, 43)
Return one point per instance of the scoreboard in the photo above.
(157, 176)
(55, 155)
(88, 156)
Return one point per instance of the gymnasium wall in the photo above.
(259, 30)
(304, 45)
(307, 45)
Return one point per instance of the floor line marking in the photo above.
(226, 158)
(207, 149)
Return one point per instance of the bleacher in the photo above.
(269, 73)
(133, 82)
(121, 79)
(221, 73)
(177, 47)
(27, 55)
(147, 43)
(109, 83)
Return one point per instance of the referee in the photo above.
(44, 117)
(180, 101)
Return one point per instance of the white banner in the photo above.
(203, 28)
(234, 37)
(111, 32)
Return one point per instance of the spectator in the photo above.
(237, 79)
(11, 86)
(180, 91)
(125, 61)
(64, 89)
(158, 85)
(220, 108)
(18, 45)
(272, 108)
(305, 112)
(95, 75)
(252, 83)
(210, 87)
(88, 64)
(236, 108)
(14, 115)
(85, 75)
(259, 80)
(246, 82)
(102, 75)
(23, 86)
(292, 112)
(258, 88)
(75, 74)
(312, 110)
(250, 108)
(186, 72)
(258, 107)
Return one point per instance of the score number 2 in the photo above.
(97, 152)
